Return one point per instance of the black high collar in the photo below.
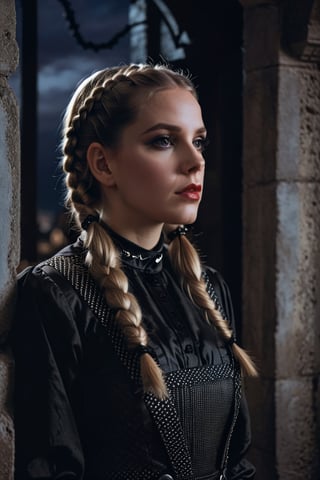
(138, 257)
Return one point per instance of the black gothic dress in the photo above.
(80, 412)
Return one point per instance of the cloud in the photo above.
(58, 79)
(52, 78)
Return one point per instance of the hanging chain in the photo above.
(69, 14)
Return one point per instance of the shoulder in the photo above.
(48, 278)
(46, 299)
(61, 284)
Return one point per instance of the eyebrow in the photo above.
(168, 126)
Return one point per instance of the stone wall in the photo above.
(9, 230)
(281, 193)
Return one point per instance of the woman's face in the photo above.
(158, 166)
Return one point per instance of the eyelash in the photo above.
(158, 142)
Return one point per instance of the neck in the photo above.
(145, 237)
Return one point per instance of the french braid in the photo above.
(99, 109)
(185, 260)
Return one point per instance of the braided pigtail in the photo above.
(186, 261)
(105, 266)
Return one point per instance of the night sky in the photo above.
(62, 63)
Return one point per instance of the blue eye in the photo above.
(163, 141)
(201, 143)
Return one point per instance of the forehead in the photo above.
(174, 105)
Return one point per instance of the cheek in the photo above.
(151, 176)
(140, 172)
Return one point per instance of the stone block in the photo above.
(309, 79)
(10, 199)
(259, 120)
(288, 125)
(262, 36)
(298, 454)
(6, 423)
(9, 54)
(259, 256)
(298, 277)
(299, 124)
(6, 435)
(290, 99)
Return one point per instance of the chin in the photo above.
(183, 219)
(181, 216)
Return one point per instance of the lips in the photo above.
(191, 192)
(191, 188)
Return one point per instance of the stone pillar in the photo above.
(281, 208)
(9, 230)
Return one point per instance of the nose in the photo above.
(192, 160)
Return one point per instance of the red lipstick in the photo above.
(192, 191)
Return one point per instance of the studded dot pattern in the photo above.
(212, 293)
(134, 475)
(169, 426)
(195, 376)
(238, 393)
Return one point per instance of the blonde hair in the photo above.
(185, 260)
(99, 110)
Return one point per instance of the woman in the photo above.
(126, 361)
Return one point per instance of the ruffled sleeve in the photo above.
(46, 347)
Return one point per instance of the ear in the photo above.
(99, 159)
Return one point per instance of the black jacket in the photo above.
(80, 412)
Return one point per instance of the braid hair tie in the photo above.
(142, 349)
(88, 220)
(231, 341)
(181, 230)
